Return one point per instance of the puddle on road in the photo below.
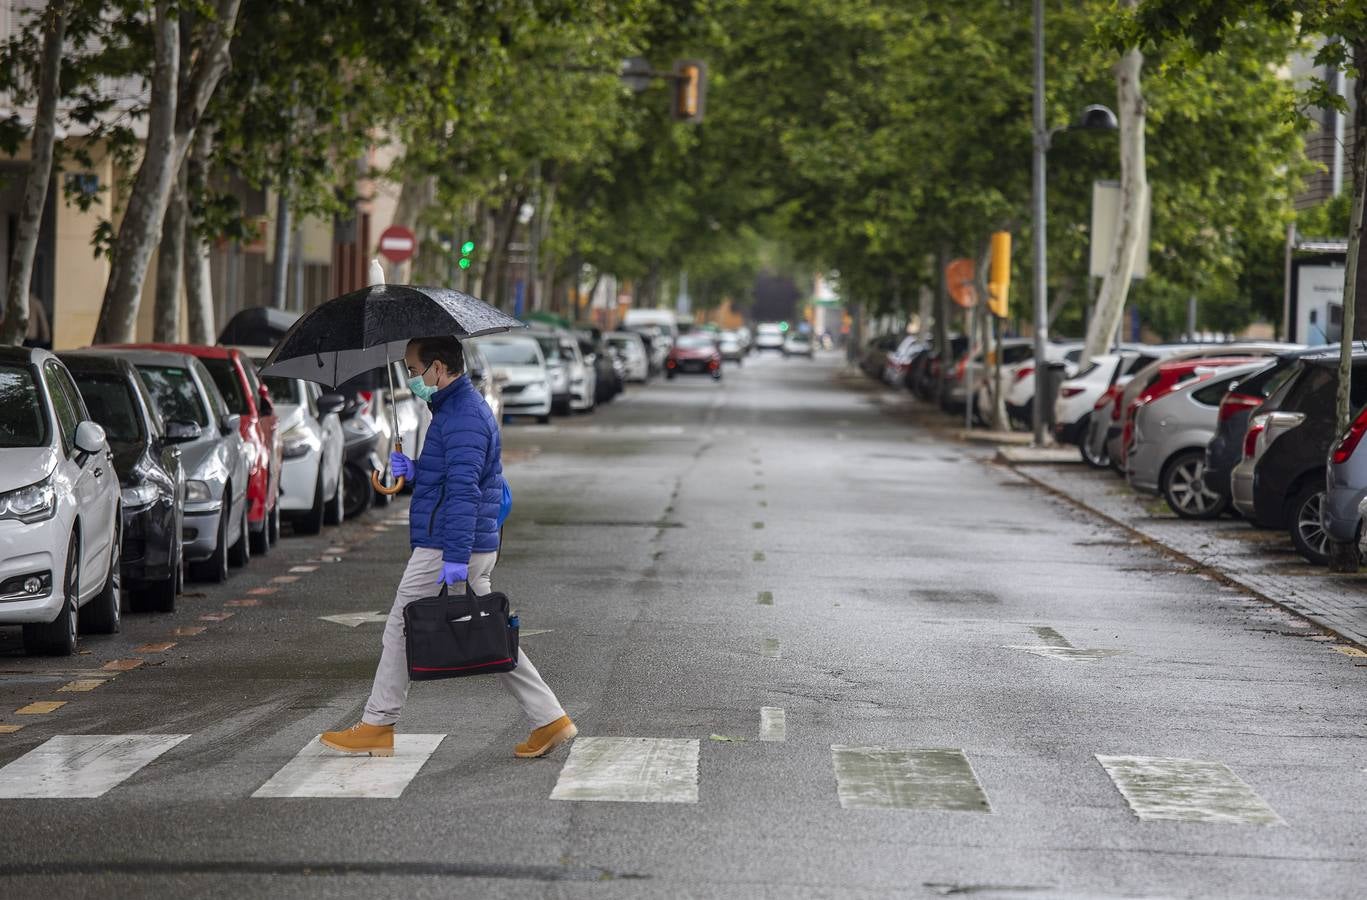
(878, 778)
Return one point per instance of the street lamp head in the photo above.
(1097, 118)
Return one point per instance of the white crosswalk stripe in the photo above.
(631, 770)
(81, 765)
(880, 778)
(317, 771)
(1186, 790)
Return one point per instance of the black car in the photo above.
(608, 383)
(1289, 479)
(150, 475)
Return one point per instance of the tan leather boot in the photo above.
(377, 740)
(546, 738)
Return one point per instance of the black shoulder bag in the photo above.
(453, 637)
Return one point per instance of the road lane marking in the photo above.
(216, 617)
(10, 729)
(773, 724)
(188, 630)
(1350, 651)
(1056, 646)
(303, 569)
(121, 665)
(630, 770)
(352, 620)
(262, 592)
(532, 632)
(930, 779)
(317, 771)
(284, 579)
(1186, 790)
(81, 765)
(40, 707)
(766, 598)
(81, 685)
(246, 602)
(158, 647)
(768, 648)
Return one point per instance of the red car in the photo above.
(247, 397)
(694, 354)
(1170, 376)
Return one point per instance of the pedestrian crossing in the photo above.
(645, 770)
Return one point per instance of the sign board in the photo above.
(1316, 301)
(397, 244)
(959, 275)
(1105, 217)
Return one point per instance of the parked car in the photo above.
(1168, 377)
(632, 349)
(236, 378)
(1167, 453)
(484, 379)
(732, 350)
(583, 376)
(1017, 365)
(313, 489)
(151, 476)
(971, 374)
(1346, 486)
(215, 529)
(597, 359)
(694, 354)
(1289, 478)
(924, 376)
(799, 344)
(769, 336)
(1079, 394)
(370, 395)
(897, 362)
(59, 508)
(518, 358)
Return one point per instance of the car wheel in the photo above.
(58, 637)
(336, 510)
(275, 523)
(261, 540)
(543, 420)
(241, 551)
(1184, 487)
(215, 569)
(312, 522)
(1307, 529)
(357, 490)
(103, 612)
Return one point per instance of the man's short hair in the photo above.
(442, 347)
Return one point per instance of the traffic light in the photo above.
(466, 249)
(690, 90)
(999, 277)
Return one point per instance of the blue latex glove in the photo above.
(506, 506)
(402, 465)
(453, 573)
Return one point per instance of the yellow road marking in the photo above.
(9, 729)
(42, 706)
(158, 647)
(80, 685)
(1350, 651)
(188, 630)
(121, 665)
(284, 579)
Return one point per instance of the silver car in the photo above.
(215, 460)
(1168, 447)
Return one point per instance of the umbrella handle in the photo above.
(378, 484)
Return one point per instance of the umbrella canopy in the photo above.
(366, 329)
(257, 326)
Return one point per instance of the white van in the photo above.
(664, 319)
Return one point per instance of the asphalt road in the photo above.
(843, 657)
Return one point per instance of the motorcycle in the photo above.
(359, 458)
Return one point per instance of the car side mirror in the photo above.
(500, 378)
(330, 403)
(229, 424)
(179, 431)
(89, 438)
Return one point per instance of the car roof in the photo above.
(23, 356)
(1328, 357)
(86, 361)
(145, 357)
(1199, 362)
(201, 350)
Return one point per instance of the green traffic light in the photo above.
(465, 263)
(782, 326)
(467, 248)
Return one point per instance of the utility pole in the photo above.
(1041, 273)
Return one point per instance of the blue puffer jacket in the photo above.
(458, 487)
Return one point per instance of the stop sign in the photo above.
(397, 243)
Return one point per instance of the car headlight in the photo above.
(137, 496)
(298, 442)
(198, 492)
(35, 503)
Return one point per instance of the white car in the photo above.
(518, 360)
(769, 336)
(1078, 394)
(312, 489)
(1020, 386)
(732, 350)
(485, 380)
(59, 508)
(632, 349)
(583, 377)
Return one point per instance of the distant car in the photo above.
(632, 349)
(732, 350)
(1171, 430)
(59, 508)
(1079, 394)
(152, 479)
(215, 525)
(1018, 388)
(694, 354)
(898, 360)
(798, 344)
(313, 489)
(769, 336)
(527, 386)
(606, 384)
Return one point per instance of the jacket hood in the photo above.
(22, 466)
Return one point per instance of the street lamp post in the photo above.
(1095, 117)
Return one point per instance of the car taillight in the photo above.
(1251, 438)
(1070, 391)
(1233, 404)
(1351, 439)
(1024, 371)
(1107, 399)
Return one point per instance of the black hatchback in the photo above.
(150, 475)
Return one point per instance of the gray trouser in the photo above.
(391, 678)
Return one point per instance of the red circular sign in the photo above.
(397, 243)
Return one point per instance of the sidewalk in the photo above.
(1262, 562)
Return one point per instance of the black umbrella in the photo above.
(370, 328)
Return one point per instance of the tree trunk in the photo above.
(1354, 327)
(1110, 305)
(171, 262)
(199, 296)
(416, 194)
(35, 179)
(284, 230)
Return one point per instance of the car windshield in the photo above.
(550, 347)
(175, 393)
(110, 402)
(225, 376)
(22, 422)
(510, 353)
(283, 390)
(694, 342)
